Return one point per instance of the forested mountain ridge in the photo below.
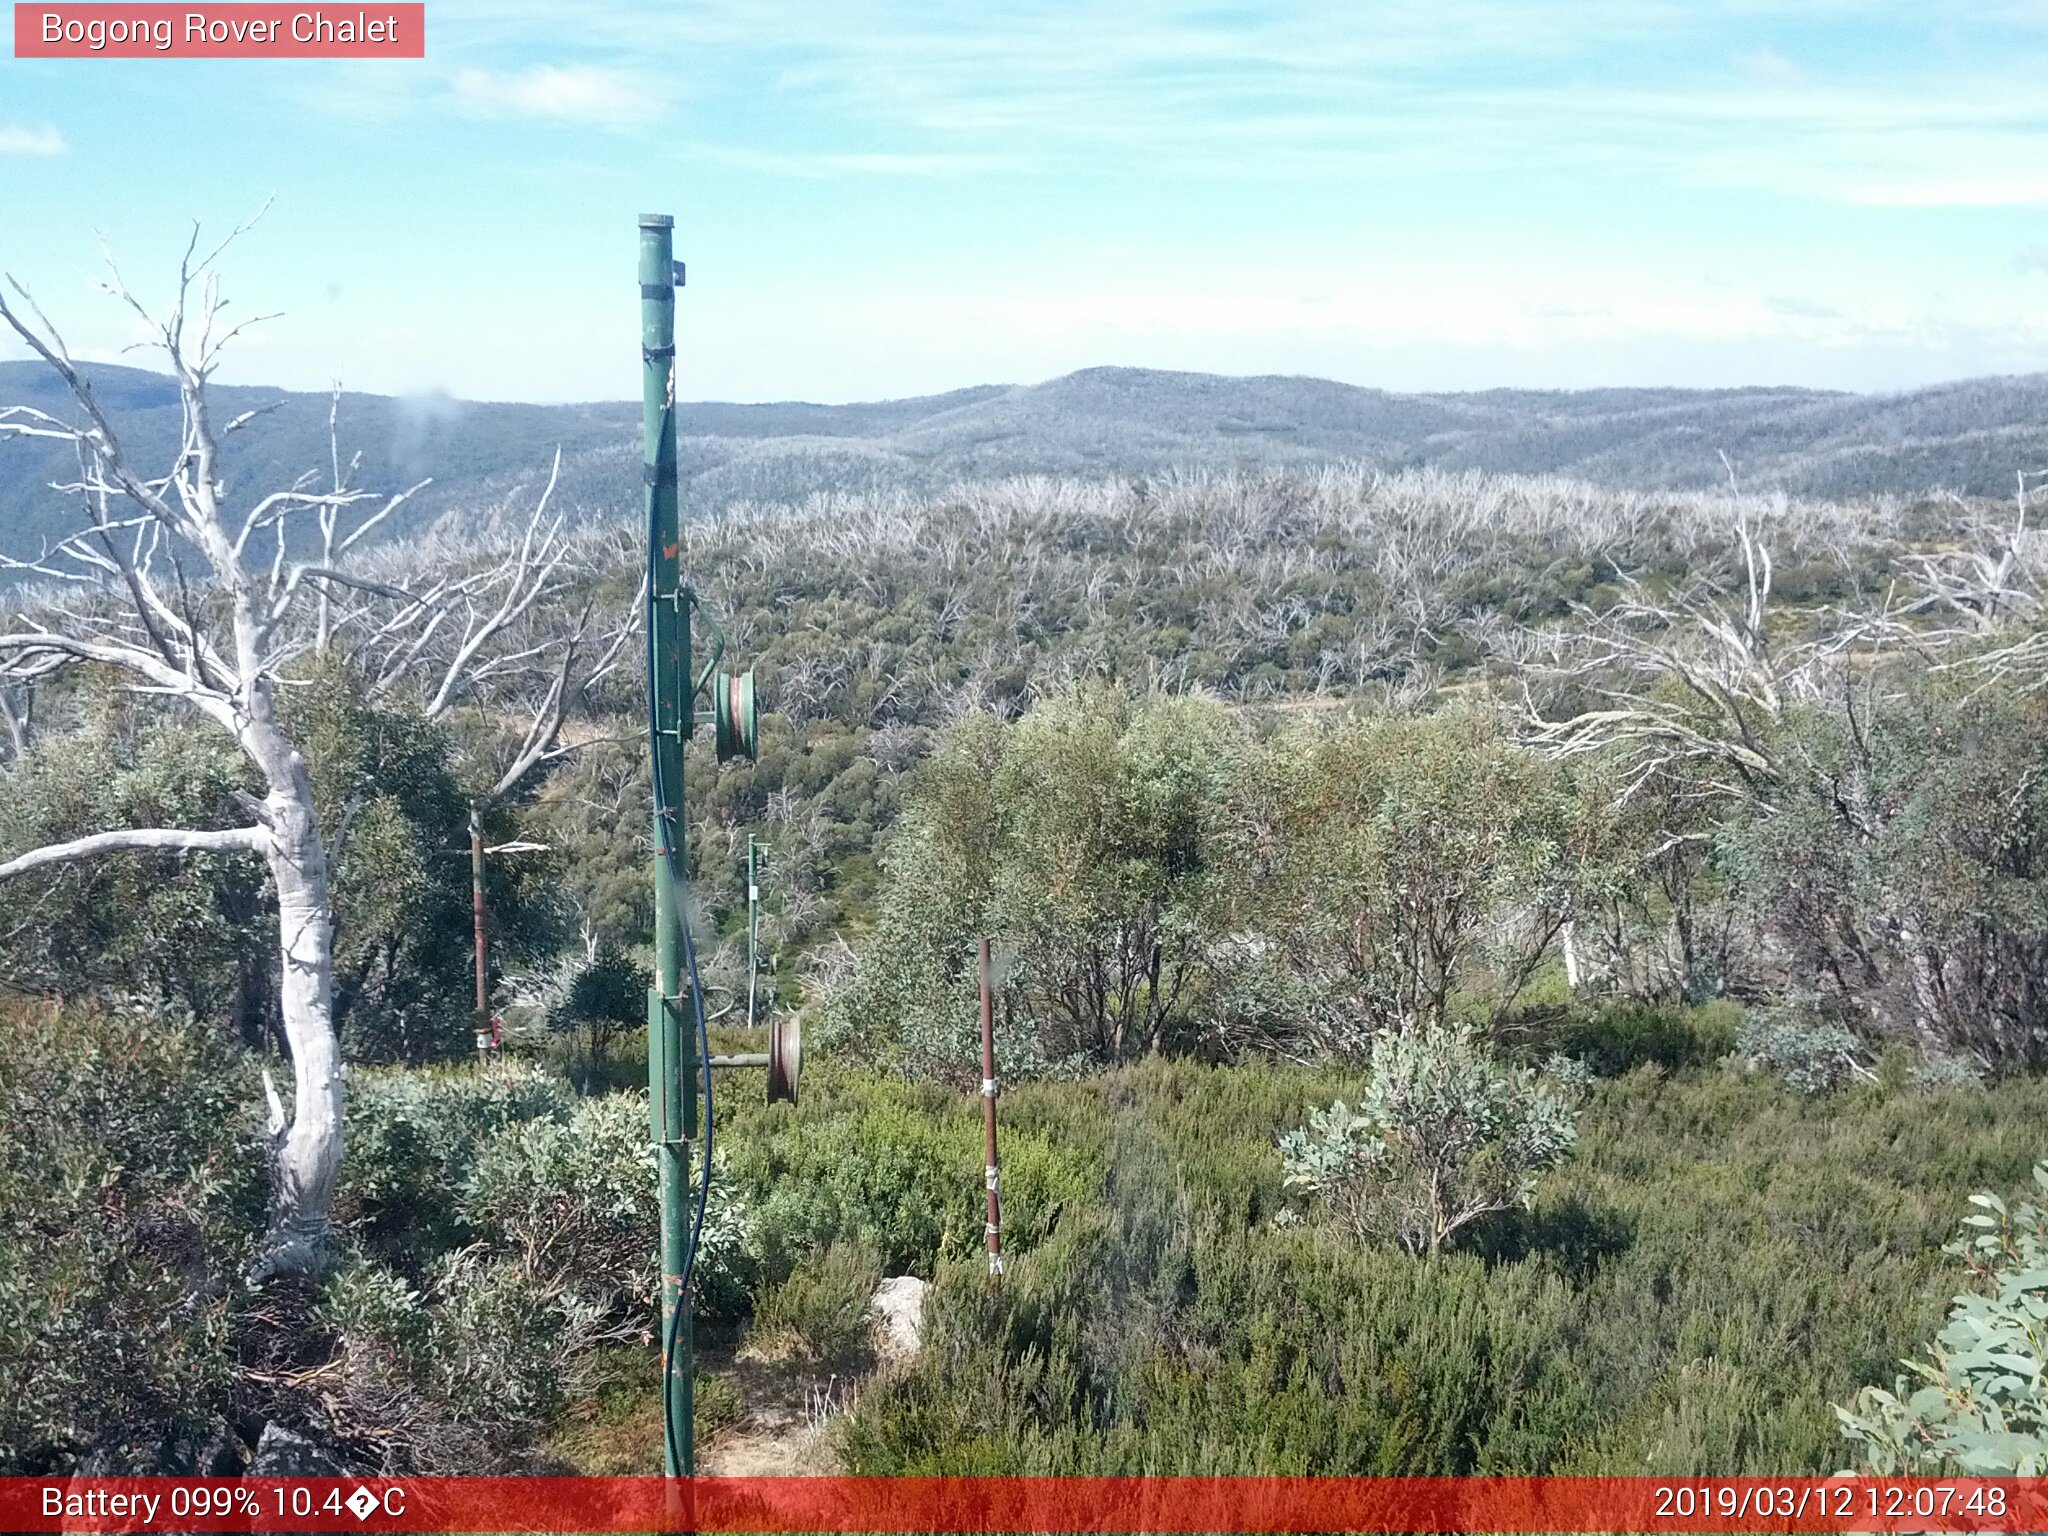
(1098, 423)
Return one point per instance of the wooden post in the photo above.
(991, 1175)
(476, 902)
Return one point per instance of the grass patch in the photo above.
(1720, 1263)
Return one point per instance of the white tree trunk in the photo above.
(306, 1151)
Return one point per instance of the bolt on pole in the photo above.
(992, 1176)
(671, 1049)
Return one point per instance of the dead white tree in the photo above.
(1990, 593)
(1687, 701)
(1696, 679)
(17, 718)
(192, 594)
(1698, 701)
(489, 635)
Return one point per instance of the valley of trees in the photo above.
(1497, 975)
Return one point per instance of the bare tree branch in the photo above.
(236, 840)
(542, 743)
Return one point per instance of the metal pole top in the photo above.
(657, 221)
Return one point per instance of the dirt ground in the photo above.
(787, 1406)
(787, 1428)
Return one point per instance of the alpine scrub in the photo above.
(1443, 1135)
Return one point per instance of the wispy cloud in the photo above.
(1535, 314)
(826, 163)
(585, 93)
(1793, 307)
(38, 143)
(1861, 102)
(1869, 108)
(2016, 187)
(1771, 66)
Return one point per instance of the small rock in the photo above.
(220, 1454)
(898, 1310)
(284, 1453)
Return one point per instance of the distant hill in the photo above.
(1968, 437)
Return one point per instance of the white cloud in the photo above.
(1695, 91)
(2016, 188)
(40, 143)
(825, 164)
(1773, 68)
(1465, 326)
(565, 93)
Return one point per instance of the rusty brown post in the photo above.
(476, 902)
(988, 1123)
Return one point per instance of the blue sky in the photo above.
(892, 198)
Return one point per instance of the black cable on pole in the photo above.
(667, 812)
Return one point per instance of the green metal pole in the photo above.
(671, 1047)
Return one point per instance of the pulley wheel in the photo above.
(736, 728)
(785, 1057)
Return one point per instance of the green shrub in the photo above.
(403, 987)
(576, 1205)
(1042, 1178)
(1443, 1135)
(131, 1191)
(1811, 1055)
(1399, 869)
(603, 997)
(896, 1168)
(494, 1199)
(820, 1310)
(1083, 833)
(1981, 1407)
(1939, 1070)
(194, 934)
(1718, 1265)
(885, 1173)
(181, 932)
(512, 1232)
(1903, 866)
(460, 1374)
(413, 1138)
(715, 1404)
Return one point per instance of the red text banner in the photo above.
(107, 29)
(1049, 1504)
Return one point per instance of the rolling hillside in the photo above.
(1969, 436)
